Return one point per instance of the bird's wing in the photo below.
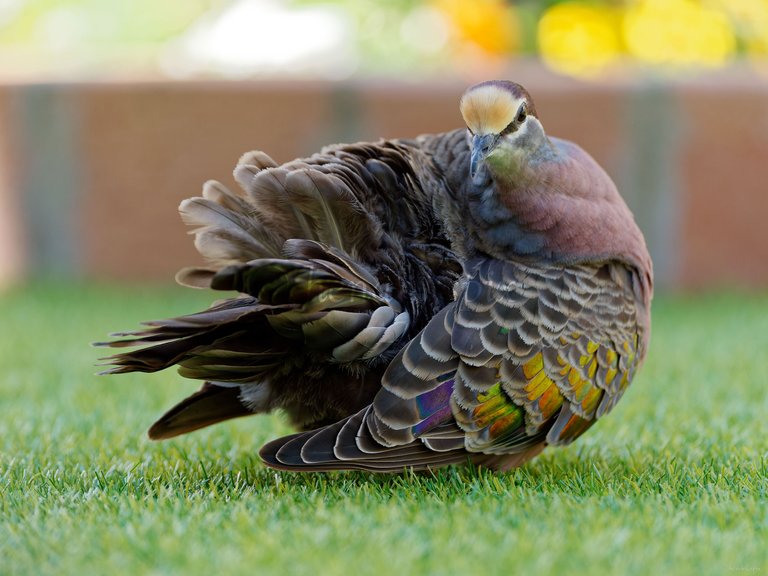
(530, 352)
(383, 436)
(545, 351)
(525, 356)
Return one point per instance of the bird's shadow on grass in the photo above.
(575, 474)
(244, 476)
(211, 470)
(580, 473)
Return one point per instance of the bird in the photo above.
(473, 296)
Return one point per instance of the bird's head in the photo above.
(502, 125)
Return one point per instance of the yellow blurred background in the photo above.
(339, 38)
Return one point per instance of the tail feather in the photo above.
(251, 163)
(277, 204)
(224, 236)
(195, 277)
(329, 307)
(337, 257)
(209, 405)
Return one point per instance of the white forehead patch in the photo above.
(488, 109)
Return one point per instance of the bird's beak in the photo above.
(482, 144)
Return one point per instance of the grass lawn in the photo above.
(674, 481)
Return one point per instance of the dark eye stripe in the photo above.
(519, 119)
(511, 127)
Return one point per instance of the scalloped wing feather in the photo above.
(527, 356)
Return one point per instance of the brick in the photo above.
(400, 110)
(146, 147)
(91, 174)
(724, 216)
(13, 248)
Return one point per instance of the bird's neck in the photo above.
(515, 167)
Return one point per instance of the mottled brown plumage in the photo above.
(338, 259)
(503, 265)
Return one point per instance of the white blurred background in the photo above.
(334, 39)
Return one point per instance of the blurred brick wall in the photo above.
(13, 250)
(91, 174)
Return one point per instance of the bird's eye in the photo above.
(521, 114)
(515, 124)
